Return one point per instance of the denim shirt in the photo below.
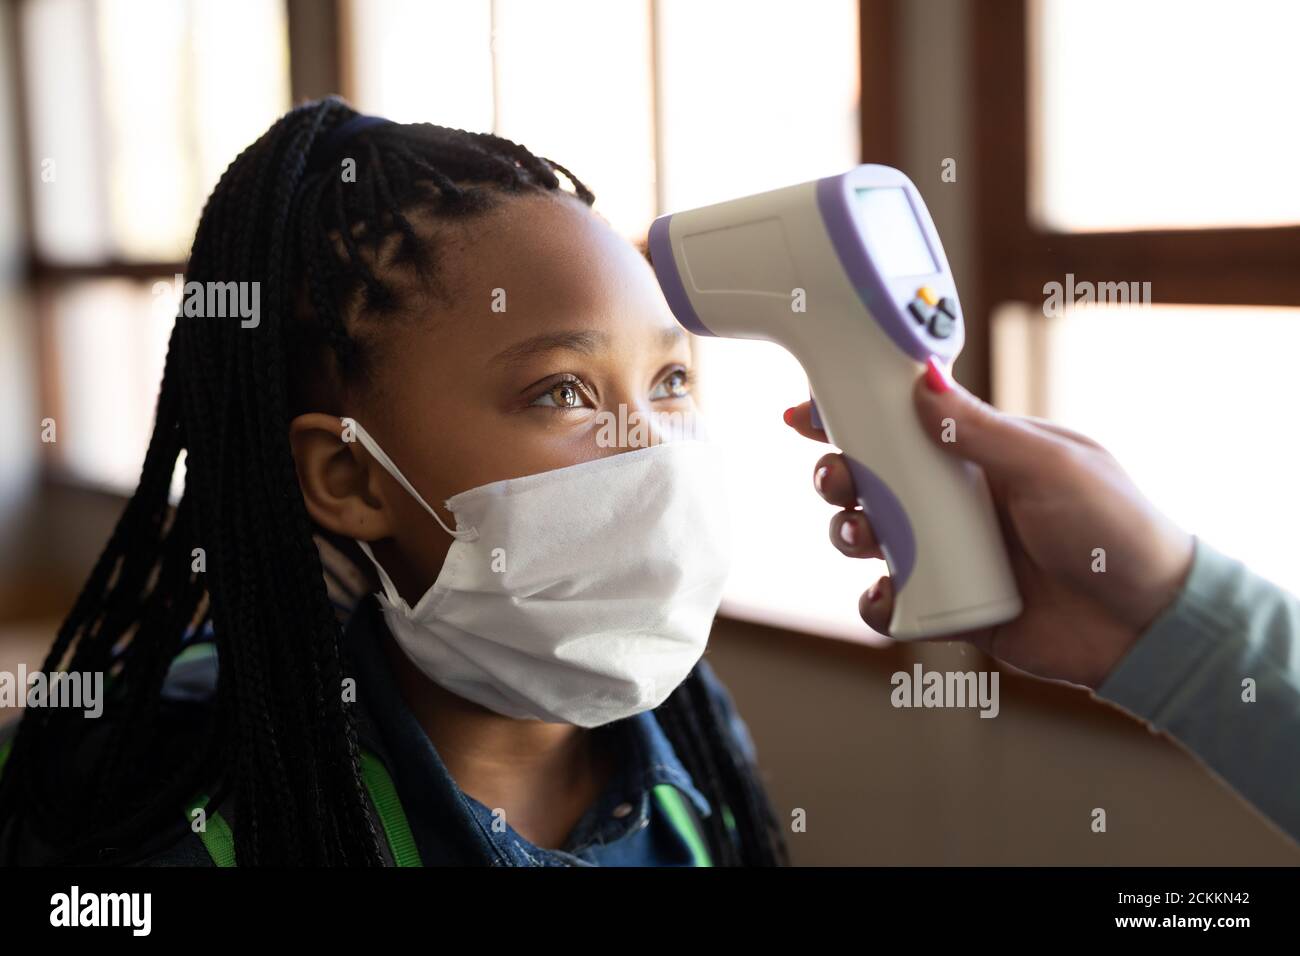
(628, 825)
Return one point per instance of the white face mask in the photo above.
(580, 595)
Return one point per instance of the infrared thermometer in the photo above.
(848, 274)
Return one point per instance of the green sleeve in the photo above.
(1188, 676)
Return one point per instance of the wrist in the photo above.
(1163, 592)
(1155, 602)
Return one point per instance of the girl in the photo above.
(439, 321)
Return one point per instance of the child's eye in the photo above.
(677, 384)
(568, 392)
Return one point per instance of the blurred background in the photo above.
(1055, 141)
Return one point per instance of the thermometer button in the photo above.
(942, 324)
(919, 311)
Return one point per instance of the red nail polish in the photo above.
(789, 414)
(937, 378)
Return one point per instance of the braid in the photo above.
(279, 738)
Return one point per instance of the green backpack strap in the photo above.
(219, 840)
(391, 815)
(216, 835)
(683, 817)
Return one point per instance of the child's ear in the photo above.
(338, 480)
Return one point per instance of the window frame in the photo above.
(1016, 257)
(314, 71)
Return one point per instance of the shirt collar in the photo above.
(646, 761)
(659, 761)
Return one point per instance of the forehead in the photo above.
(532, 257)
(533, 263)
(542, 248)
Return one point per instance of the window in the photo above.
(1194, 401)
(133, 109)
(1163, 114)
(571, 80)
(1146, 148)
(111, 339)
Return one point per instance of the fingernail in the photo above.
(789, 414)
(819, 477)
(873, 594)
(937, 378)
(849, 532)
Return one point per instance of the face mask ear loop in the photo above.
(370, 445)
(389, 587)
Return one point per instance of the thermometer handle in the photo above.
(931, 511)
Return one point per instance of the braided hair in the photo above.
(284, 741)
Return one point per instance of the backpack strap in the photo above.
(216, 835)
(685, 819)
(391, 815)
(219, 840)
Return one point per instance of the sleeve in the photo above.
(1219, 670)
(722, 697)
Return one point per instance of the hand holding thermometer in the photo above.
(877, 301)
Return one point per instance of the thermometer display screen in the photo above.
(893, 236)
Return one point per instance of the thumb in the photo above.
(965, 426)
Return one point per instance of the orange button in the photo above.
(926, 295)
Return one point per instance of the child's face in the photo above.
(466, 395)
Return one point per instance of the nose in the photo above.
(636, 423)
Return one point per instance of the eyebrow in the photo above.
(585, 341)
